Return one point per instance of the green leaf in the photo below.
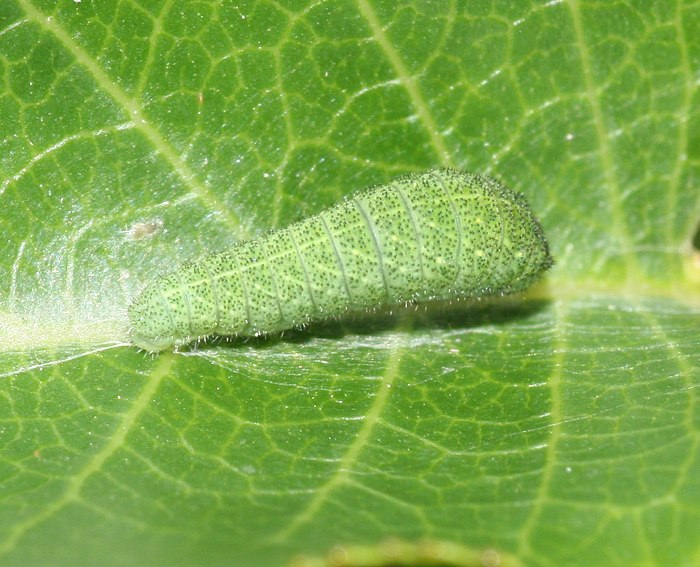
(561, 428)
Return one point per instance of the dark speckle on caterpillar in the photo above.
(442, 234)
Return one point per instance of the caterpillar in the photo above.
(441, 234)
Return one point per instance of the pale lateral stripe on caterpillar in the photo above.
(442, 234)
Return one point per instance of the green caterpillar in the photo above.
(442, 234)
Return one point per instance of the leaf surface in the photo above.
(561, 428)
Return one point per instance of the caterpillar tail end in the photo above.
(149, 327)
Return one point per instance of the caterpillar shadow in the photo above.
(452, 315)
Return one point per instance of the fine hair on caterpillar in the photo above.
(438, 235)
